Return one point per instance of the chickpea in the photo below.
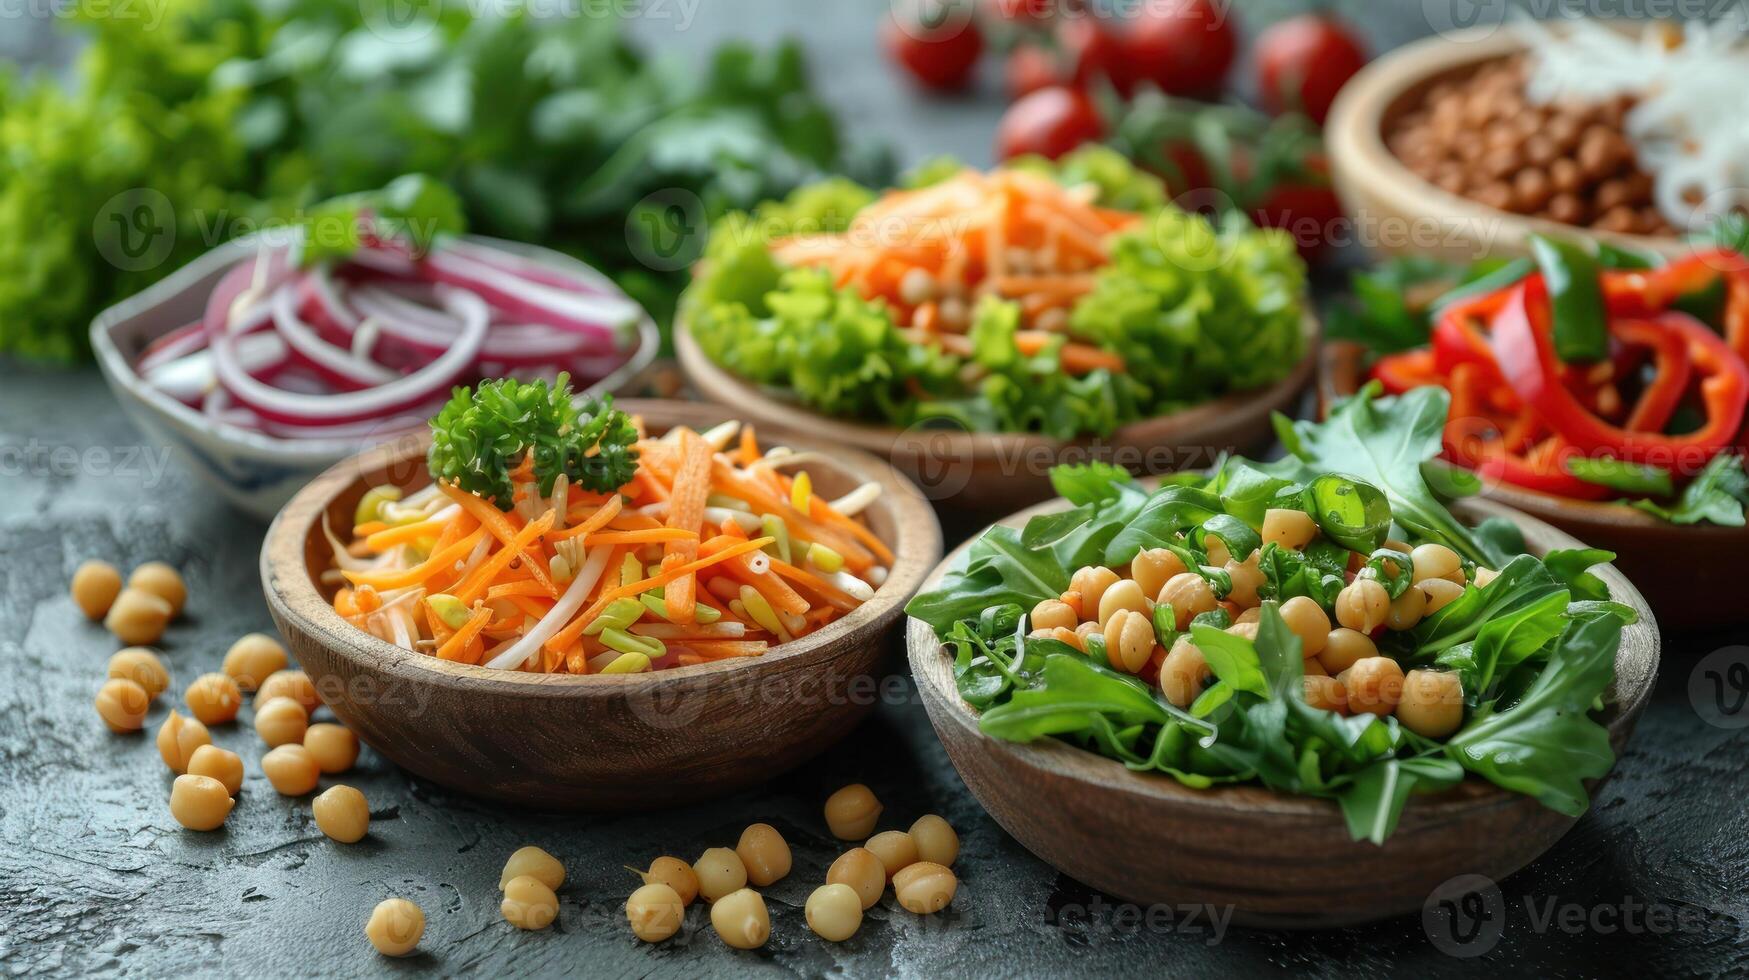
(719, 872)
(1183, 673)
(1434, 561)
(122, 705)
(1252, 615)
(160, 580)
(1343, 647)
(294, 684)
(1484, 576)
(1288, 528)
(1314, 668)
(528, 903)
(655, 912)
(924, 887)
(1062, 634)
(1053, 614)
(852, 811)
(141, 666)
(1432, 704)
(1325, 693)
(1072, 599)
(1363, 604)
(895, 849)
(178, 737)
(1246, 630)
(1129, 639)
(1123, 596)
(1091, 582)
(765, 854)
(334, 747)
(254, 658)
(342, 813)
(94, 588)
(137, 618)
(1407, 610)
(213, 698)
(1440, 593)
(395, 927)
(834, 912)
(674, 873)
(862, 871)
(741, 920)
(290, 769)
(221, 764)
(1247, 579)
(1374, 685)
(1308, 621)
(200, 802)
(281, 721)
(1189, 596)
(936, 840)
(536, 863)
(1152, 568)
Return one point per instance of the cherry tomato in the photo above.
(937, 41)
(1302, 62)
(1022, 12)
(1050, 122)
(1183, 46)
(1308, 209)
(1186, 170)
(1031, 68)
(1094, 51)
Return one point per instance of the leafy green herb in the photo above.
(413, 208)
(1640, 479)
(1717, 494)
(1352, 514)
(484, 433)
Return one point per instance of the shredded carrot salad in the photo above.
(1016, 235)
(714, 549)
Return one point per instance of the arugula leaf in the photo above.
(1167, 514)
(1717, 494)
(1068, 692)
(1090, 482)
(998, 570)
(1373, 802)
(1633, 478)
(1570, 566)
(1353, 514)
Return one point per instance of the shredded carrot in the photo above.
(654, 535)
(570, 633)
(692, 484)
(384, 540)
(453, 648)
(497, 522)
(504, 590)
(420, 572)
(594, 522)
(517, 547)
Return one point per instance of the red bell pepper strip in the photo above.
(1671, 370)
(1410, 369)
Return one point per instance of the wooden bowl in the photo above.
(1278, 861)
(1399, 212)
(1684, 571)
(610, 742)
(997, 472)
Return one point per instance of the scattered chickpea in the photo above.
(342, 813)
(862, 871)
(1288, 528)
(720, 872)
(178, 738)
(1325, 692)
(1407, 610)
(1343, 647)
(1308, 621)
(141, 666)
(655, 912)
(1363, 604)
(1129, 638)
(200, 802)
(1123, 596)
(924, 887)
(334, 747)
(1432, 704)
(254, 658)
(122, 705)
(294, 684)
(894, 848)
(1091, 581)
(1440, 593)
(95, 586)
(1247, 578)
(852, 811)
(936, 841)
(1151, 569)
(741, 920)
(1052, 614)
(137, 618)
(221, 764)
(529, 903)
(395, 927)
(674, 873)
(536, 863)
(290, 769)
(1374, 685)
(213, 698)
(764, 853)
(1189, 596)
(1183, 672)
(159, 579)
(834, 912)
(1434, 561)
(281, 721)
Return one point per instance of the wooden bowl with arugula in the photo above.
(624, 720)
(979, 328)
(1295, 798)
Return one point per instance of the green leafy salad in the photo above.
(1321, 625)
(1063, 298)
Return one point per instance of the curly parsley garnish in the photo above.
(485, 432)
